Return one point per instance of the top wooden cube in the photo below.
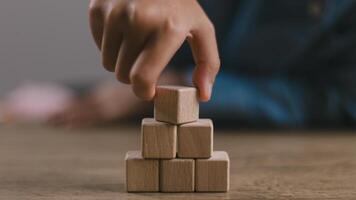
(176, 104)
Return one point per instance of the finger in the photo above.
(111, 42)
(206, 56)
(131, 46)
(96, 20)
(153, 59)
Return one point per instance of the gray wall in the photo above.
(46, 40)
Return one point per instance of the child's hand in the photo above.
(138, 38)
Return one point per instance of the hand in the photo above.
(137, 39)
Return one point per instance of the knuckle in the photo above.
(172, 27)
(210, 27)
(215, 65)
(108, 64)
(139, 14)
(95, 9)
(142, 94)
(212, 65)
(140, 79)
(114, 13)
(121, 76)
(130, 11)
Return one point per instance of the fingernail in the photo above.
(207, 91)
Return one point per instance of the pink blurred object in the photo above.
(34, 102)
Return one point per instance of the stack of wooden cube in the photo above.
(177, 148)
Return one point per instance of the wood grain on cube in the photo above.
(176, 104)
(158, 139)
(195, 140)
(142, 175)
(177, 175)
(213, 174)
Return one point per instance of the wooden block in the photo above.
(176, 104)
(195, 140)
(213, 174)
(142, 175)
(158, 139)
(177, 175)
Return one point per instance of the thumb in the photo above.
(206, 56)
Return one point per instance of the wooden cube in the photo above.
(195, 140)
(176, 104)
(142, 175)
(213, 174)
(177, 175)
(158, 139)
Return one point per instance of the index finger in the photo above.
(206, 56)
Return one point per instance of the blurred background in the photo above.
(285, 64)
(44, 45)
(46, 41)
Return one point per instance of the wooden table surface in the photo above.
(45, 163)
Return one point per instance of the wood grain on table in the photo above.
(47, 163)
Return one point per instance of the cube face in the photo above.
(195, 140)
(213, 174)
(176, 105)
(158, 139)
(141, 175)
(177, 175)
